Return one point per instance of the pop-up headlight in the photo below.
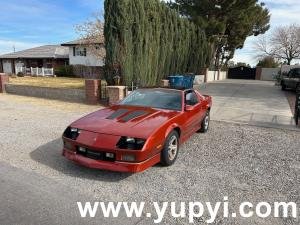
(71, 133)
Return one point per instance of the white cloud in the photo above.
(282, 13)
(280, 2)
(284, 16)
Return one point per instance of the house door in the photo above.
(7, 66)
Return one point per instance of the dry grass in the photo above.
(52, 82)
(54, 104)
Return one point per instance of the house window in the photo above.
(79, 51)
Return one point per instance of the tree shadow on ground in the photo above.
(50, 154)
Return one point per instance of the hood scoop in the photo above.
(117, 114)
(133, 115)
(125, 115)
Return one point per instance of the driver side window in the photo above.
(191, 98)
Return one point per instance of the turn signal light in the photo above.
(128, 158)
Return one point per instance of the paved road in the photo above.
(39, 186)
(30, 198)
(257, 103)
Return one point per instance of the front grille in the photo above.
(95, 155)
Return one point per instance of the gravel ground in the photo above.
(245, 163)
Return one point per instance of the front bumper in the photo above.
(112, 166)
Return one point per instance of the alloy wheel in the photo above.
(172, 148)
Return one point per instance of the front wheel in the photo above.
(170, 150)
(205, 123)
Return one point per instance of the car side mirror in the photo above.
(189, 108)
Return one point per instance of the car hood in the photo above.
(123, 120)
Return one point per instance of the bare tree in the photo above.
(283, 44)
(91, 34)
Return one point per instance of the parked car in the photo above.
(142, 130)
(292, 80)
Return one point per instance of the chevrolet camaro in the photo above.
(142, 130)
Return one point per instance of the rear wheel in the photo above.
(205, 123)
(170, 150)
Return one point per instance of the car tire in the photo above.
(283, 86)
(170, 151)
(205, 123)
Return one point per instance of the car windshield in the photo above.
(155, 98)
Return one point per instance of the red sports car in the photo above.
(142, 130)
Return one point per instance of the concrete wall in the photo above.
(70, 95)
(223, 75)
(199, 79)
(88, 60)
(268, 73)
(212, 76)
(215, 75)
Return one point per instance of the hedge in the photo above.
(147, 41)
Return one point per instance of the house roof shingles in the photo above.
(46, 51)
(99, 40)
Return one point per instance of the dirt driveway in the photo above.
(259, 103)
(245, 163)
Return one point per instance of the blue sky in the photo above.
(283, 12)
(30, 23)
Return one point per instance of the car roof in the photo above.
(170, 89)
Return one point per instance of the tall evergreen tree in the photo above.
(227, 23)
(147, 41)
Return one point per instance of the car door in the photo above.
(192, 122)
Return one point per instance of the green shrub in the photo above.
(64, 71)
(20, 74)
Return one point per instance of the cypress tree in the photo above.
(147, 41)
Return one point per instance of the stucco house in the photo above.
(85, 57)
(40, 61)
